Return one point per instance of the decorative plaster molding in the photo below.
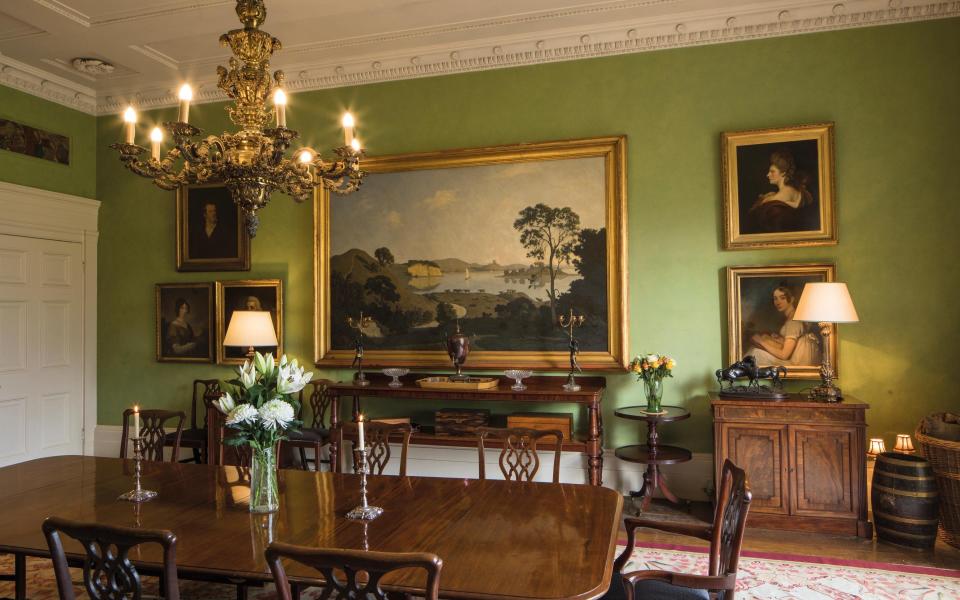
(721, 25)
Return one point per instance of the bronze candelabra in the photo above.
(569, 322)
(359, 378)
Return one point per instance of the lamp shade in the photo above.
(826, 303)
(250, 328)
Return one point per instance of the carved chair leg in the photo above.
(196, 455)
(303, 459)
(242, 592)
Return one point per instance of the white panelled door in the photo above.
(41, 348)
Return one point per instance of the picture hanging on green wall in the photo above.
(30, 141)
(761, 302)
(778, 187)
(496, 241)
(184, 322)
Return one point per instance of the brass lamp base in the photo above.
(826, 391)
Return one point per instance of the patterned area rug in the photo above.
(762, 576)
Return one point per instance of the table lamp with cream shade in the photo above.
(250, 329)
(826, 303)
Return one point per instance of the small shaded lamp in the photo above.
(826, 303)
(904, 444)
(877, 447)
(250, 328)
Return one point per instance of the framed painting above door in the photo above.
(499, 240)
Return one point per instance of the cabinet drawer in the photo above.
(789, 414)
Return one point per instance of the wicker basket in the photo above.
(944, 457)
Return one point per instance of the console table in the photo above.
(805, 461)
(540, 389)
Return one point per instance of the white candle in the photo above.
(156, 136)
(130, 123)
(360, 440)
(280, 105)
(348, 125)
(136, 421)
(186, 95)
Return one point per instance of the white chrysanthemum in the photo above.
(276, 414)
(244, 413)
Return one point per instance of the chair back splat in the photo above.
(340, 570)
(153, 433)
(730, 520)
(519, 460)
(377, 437)
(108, 573)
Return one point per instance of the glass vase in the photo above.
(263, 481)
(653, 388)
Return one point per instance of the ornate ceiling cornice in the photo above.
(571, 43)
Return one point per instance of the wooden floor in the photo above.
(811, 544)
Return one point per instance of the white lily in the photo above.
(248, 375)
(283, 361)
(268, 364)
(258, 361)
(292, 379)
(226, 403)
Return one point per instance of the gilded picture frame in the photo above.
(760, 301)
(227, 247)
(604, 156)
(779, 187)
(185, 322)
(248, 294)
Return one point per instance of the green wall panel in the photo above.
(79, 177)
(892, 92)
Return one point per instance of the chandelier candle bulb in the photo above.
(355, 144)
(156, 136)
(130, 124)
(280, 105)
(348, 125)
(186, 95)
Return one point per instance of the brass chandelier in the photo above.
(251, 163)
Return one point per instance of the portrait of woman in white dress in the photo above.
(793, 344)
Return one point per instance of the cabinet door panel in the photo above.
(823, 470)
(760, 450)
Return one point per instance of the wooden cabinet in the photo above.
(805, 461)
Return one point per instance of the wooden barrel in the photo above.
(905, 500)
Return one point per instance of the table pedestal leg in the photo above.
(594, 445)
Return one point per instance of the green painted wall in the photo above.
(892, 91)
(80, 176)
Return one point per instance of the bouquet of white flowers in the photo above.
(262, 410)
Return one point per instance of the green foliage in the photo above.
(384, 256)
(550, 235)
(446, 313)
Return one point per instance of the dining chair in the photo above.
(377, 438)
(108, 573)
(153, 433)
(317, 434)
(519, 459)
(205, 393)
(725, 535)
(332, 561)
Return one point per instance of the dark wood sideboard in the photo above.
(805, 461)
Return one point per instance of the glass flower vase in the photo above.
(653, 389)
(264, 497)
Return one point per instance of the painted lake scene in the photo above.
(500, 249)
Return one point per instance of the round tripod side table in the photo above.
(653, 454)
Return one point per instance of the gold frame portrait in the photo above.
(611, 149)
(211, 324)
(186, 262)
(735, 277)
(222, 286)
(826, 235)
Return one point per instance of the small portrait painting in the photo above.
(211, 235)
(762, 302)
(778, 187)
(258, 294)
(184, 318)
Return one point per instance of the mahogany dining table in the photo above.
(497, 539)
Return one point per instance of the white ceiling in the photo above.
(157, 44)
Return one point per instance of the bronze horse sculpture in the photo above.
(747, 367)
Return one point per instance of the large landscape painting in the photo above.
(500, 241)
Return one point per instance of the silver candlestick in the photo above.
(137, 494)
(364, 512)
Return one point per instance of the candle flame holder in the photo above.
(359, 378)
(137, 494)
(364, 512)
(569, 323)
